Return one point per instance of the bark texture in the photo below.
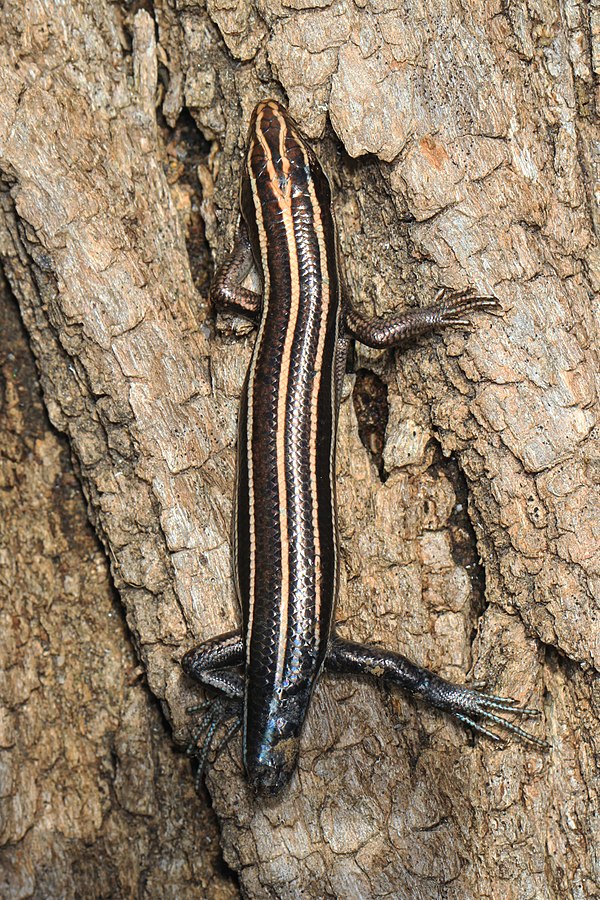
(463, 148)
(95, 803)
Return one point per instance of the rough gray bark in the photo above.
(95, 803)
(479, 554)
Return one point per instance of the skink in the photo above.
(286, 558)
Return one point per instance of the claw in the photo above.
(452, 307)
(216, 713)
(477, 726)
(485, 703)
(190, 710)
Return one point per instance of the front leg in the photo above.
(226, 291)
(468, 706)
(389, 331)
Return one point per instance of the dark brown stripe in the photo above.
(291, 563)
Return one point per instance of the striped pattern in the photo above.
(285, 520)
(286, 553)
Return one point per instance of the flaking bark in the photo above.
(477, 554)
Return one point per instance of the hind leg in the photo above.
(470, 707)
(208, 663)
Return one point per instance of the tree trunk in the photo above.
(469, 530)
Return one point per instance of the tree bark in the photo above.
(93, 796)
(462, 144)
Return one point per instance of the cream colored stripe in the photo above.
(262, 238)
(284, 200)
(324, 310)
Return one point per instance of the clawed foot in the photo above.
(470, 707)
(451, 306)
(486, 706)
(216, 713)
